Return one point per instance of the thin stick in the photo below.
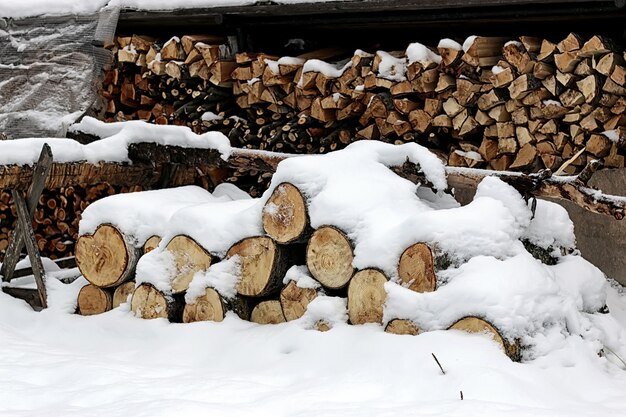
(440, 367)
(461, 395)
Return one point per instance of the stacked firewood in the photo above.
(525, 104)
(56, 218)
(263, 291)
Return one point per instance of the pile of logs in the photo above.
(108, 259)
(56, 217)
(523, 104)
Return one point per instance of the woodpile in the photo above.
(56, 217)
(505, 104)
(261, 292)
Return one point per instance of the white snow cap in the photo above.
(449, 44)
(390, 67)
(416, 52)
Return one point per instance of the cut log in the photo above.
(483, 51)
(94, 300)
(263, 265)
(285, 215)
(173, 50)
(268, 312)
(151, 244)
(208, 307)
(120, 296)
(150, 303)
(525, 157)
(402, 327)
(416, 268)
(189, 258)
(367, 296)
(107, 258)
(329, 257)
(477, 325)
(294, 300)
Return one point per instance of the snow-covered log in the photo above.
(263, 265)
(212, 306)
(188, 258)
(150, 303)
(416, 268)
(401, 327)
(107, 257)
(478, 325)
(285, 215)
(94, 300)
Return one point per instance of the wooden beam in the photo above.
(11, 257)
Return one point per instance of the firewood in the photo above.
(516, 55)
(612, 87)
(320, 113)
(450, 52)
(149, 303)
(366, 297)
(618, 76)
(263, 265)
(189, 258)
(590, 88)
(483, 51)
(541, 70)
(572, 42)
(525, 157)
(445, 83)
(480, 326)
(491, 99)
(488, 149)
(268, 312)
(441, 120)
(212, 306)
(173, 50)
(107, 258)
(507, 145)
(523, 85)
(176, 69)
(329, 257)
(294, 300)
(127, 55)
(93, 300)
(502, 78)
(285, 216)
(220, 72)
(566, 62)
(598, 145)
(597, 45)
(499, 114)
(532, 44)
(403, 105)
(189, 41)
(122, 293)
(402, 327)
(607, 63)
(452, 107)
(571, 98)
(535, 97)
(547, 51)
(416, 268)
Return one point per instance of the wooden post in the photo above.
(17, 242)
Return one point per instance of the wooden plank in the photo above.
(11, 257)
(23, 219)
(30, 295)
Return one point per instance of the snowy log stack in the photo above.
(56, 217)
(265, 261)
(489, 103)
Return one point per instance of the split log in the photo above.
(120, 296)
(294, 300)
(263, 265)
(150, 303)
(402, 327)
(416, 268)
(94, 300)
(476, 325)
(268, 312)
(285, 215)
(329, 257)
(367, 296)
(107, 258)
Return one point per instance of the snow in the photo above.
(209, 116)
(117, 365)
(497, 69)
(416, 52)
(469, 42)
(26, 8)
(222, 276)
(612, 135)
(285, 60)
(112, 149)
(329, 70)
(301, 276)
(550, 227)
(449, 44)
(390, 67)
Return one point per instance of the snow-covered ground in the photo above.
(57, 364)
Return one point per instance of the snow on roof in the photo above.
(28, 8)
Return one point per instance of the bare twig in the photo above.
(437, 360)
(461, 395)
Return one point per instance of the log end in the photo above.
(329, 257)
(416, 268)
(268, 312)
(208, 307)
(93, 300)
(366, 297)
(402, 327)
(103, 258)
(285, 217)
(478, 325)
